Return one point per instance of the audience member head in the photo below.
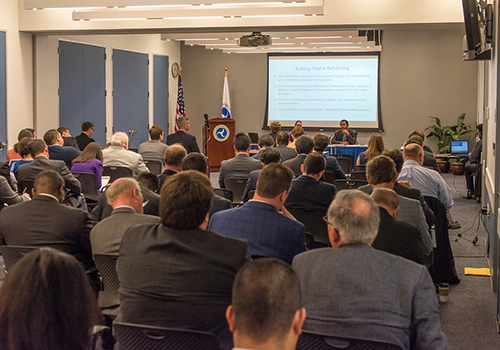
(415, 139)
(480, 131)
(46, 302)
(88, 128)
(195, 161)
(266, 309)
(242, 142)
(314, 165)
(297, 123)
(25, 133)
(37, 148)
(64, 131)
(150, 181)
(156, 133)
(418, 133)
(282, 139)
(270, 155)
(119, 139)
(185, 201)
(51, 183)
(375, 146)
(53, 137)
(275, 127)
(396, 156)
(413, 152)
(274, 184)
(321, 142)
(173, 157)
(381, 170)
(125, 191)
(265, 141)
(304, 144)
(183, 123)
(353, 218)
(387, 199)
(297, 132)
(22, 147)
(344, 124)
(90, 152)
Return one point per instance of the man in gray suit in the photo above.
(126, 198)
(119, 155)
(356, 291)
(154, 149)
(286, 152)
(241, 165)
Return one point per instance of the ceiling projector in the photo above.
(254, 40)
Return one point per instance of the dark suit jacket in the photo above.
(286, 152)
(178, 278)
(307, 192)
(187, 140)
(238, 167)
(83, 140)
(251, 184)
(102, 210)
(71, 142)
(218, 204)
(29, 171)
(267, 232)
(398, 238)
(431, 163)
(333, 166)
(352, 138)
(44, 222)
(295, 164)
(66, 154)
(165, 175)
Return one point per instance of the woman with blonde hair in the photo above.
(375, 148)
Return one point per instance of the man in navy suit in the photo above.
(269, 232)
(57, 151)
(332, 165)
(181, 136)
(269, 156)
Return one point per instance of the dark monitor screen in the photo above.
(472, 29)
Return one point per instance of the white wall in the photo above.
(19, 72)
(47, 72)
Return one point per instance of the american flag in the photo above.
(181, 110)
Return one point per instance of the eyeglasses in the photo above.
(325, 219)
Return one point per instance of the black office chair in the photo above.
(154, 166)
(358, 175)
(351, 161)
(139, 337)
(312, 218)
(106, 265)
(343, 184)
(13, 253)
(237, 186)
(116, 172)
(89, 187)
(224, 193)
(345, 165)
(329, 177)
(317, 341)
(360, 168)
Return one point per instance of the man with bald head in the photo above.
(360, 292)
(428, 181)
(173, 162)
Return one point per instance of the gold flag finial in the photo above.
(225, 69)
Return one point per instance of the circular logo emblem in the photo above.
(221, 133)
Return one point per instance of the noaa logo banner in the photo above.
(221, 133)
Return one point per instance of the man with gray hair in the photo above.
(118, 155)
(181, 136)
(360, 292)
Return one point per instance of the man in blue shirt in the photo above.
(57, 151)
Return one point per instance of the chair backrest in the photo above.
(237, 186)
(251, 194)
(106, 264)
(139, 337)
(329, 177)
(254, 137)
(343, 184)
(13, 253)
(312, 218)
(26, 186)
(316, 341)
(224, 192)
(154, 166)
(88, 181)
(360, 168)
(358, 175)
(116, 172)
(345, 164)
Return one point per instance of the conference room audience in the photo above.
(24, 152)
(282, 146)
(275, 128)
(303, 145)
(375, 148)
(150, 181)
(166, 271)
(57, 151)
(118, 155)
(154, 149)
(264, 222)
(393, 236)
(67, 138)
(13, 153)
(198, 162)
(181, 136)
(332, 165)
(345, 135)
(266, 310)
(269, 156)
(357, 291)
(89, 161)
(307, 191)
(429, 160)
(265, 141)
(27, 173)
(241, 165)
(297, 132)
(86, 136)
(173, 162)
(46, 302)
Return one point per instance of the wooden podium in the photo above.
(220, 142)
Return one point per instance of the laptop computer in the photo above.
(460, 148)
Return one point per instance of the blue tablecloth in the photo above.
(353, 150)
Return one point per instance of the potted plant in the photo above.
(445, 134)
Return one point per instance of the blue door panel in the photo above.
(130, 95)
(160, 84)
(3, 95)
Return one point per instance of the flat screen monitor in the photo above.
(460, 147)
